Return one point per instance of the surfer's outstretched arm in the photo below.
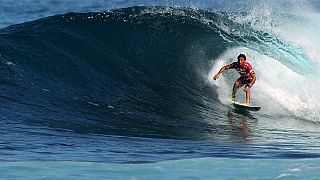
(221, 71)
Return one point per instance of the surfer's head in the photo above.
(241, 58)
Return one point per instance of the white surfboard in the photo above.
(245, 107)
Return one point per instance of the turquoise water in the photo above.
(202, 168)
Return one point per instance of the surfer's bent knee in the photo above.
(237, 84)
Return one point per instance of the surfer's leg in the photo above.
(235, 88)
(247, 90)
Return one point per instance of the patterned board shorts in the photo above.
(243, 81)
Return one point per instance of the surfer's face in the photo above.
(241, 60)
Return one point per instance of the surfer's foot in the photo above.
(233, 98)
(246, 103)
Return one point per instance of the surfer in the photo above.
(247, 77)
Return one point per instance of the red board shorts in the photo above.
(243, 82)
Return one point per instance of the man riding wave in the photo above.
(247, 76)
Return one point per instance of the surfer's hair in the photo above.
(242, 55)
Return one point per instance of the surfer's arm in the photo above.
(221, 71)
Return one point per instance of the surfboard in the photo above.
(246, 107)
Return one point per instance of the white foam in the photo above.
(296, 23)
(278, 89)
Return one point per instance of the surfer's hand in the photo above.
(216, 76)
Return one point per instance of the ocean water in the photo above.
(124, 89)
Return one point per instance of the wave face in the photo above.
(144, 71)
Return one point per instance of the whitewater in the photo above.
(125, 90)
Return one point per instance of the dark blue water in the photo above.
(93, 85)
